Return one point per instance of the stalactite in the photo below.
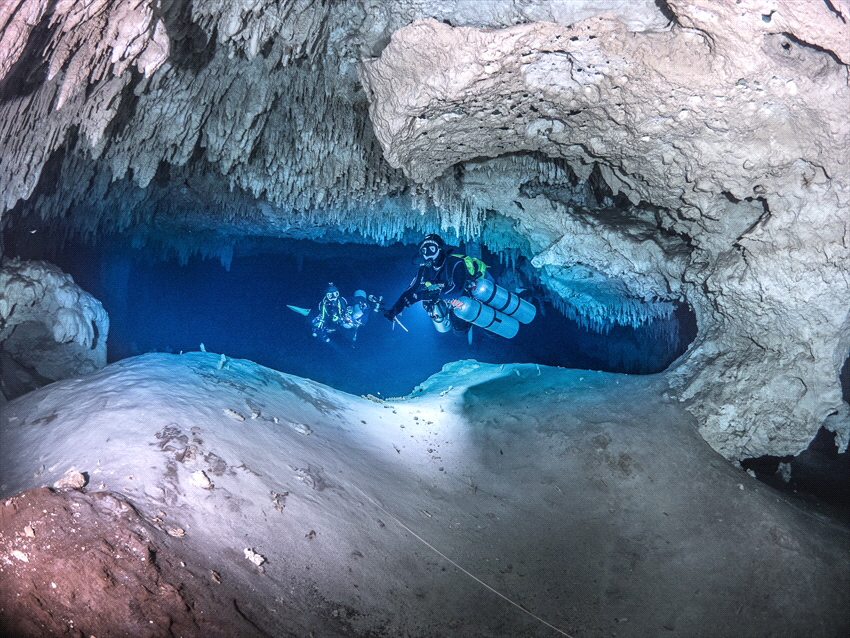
(599, 303)
(87, 56)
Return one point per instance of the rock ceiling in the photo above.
(634, 153)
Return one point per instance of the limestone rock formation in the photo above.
(632, 154)
(50, 329)
(733, 125)
(82, 52)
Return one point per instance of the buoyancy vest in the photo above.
(474, 266)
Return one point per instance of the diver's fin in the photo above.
(469, 336)
(300, 311)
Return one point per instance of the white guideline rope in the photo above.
(470, 574)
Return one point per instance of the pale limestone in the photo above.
(737, 131)
(50, 329)
(725, 128)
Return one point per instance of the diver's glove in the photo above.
(396, 309)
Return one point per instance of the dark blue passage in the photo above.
(242, 313)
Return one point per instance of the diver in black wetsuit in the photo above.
(442, 278)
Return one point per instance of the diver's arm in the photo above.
(407, 298)
(321, 315)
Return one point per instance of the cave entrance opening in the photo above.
(819, 477)
(162, 305)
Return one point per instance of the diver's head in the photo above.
(331, 292)
(432, 249)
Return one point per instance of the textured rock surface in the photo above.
(733, 124)
(50, 329)
(635, 154)
(586, 499)
(76, 562)
(82, 51)
(258, 118)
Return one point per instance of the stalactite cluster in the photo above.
(633, 160)
(65, 65)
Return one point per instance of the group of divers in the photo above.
(455, 289)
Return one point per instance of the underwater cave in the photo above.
(241, 308)
(661, 450)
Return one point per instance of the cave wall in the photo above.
(254, 117)
(636, 153)
(50, 329)
(733, 123)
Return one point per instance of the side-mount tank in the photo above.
(487, 292)
(483, 316)
(439, 313)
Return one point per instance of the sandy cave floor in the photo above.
(510, 500)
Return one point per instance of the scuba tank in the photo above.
(439, 313)
(486, 317)
(487, 292)
(359, 309)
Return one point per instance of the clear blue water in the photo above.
(167, 307)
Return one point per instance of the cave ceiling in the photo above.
(633, 154)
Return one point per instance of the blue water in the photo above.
(242, 312)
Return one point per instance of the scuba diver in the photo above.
(358, 311)
(335, 312)
(457, 292)
(332, 314)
